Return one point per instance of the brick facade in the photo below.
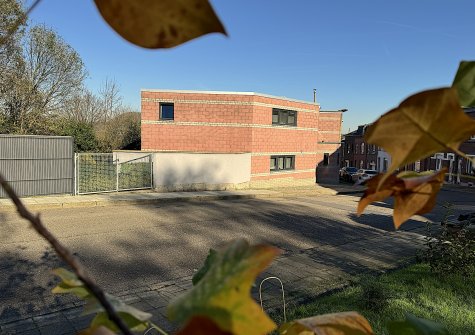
(230, 122)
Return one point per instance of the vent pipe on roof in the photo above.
(314, 95)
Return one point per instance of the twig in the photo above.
(66, 255)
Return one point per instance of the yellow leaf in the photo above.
(160, 23)
(223, 294)
(425, 123)
(345, 323)
(413, 193)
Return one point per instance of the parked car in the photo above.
(347, 172)
(362, 175)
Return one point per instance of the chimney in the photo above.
(314, 95)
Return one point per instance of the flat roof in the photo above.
(229, 92)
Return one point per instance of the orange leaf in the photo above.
(425, 123)
(160, 23)
(413, 193)
(345, 323)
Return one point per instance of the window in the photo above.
(167, 111)
(284, 117)
(326, 158)
(282, 163)
(362, 148)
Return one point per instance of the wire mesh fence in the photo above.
(96, 173)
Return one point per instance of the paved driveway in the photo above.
(133, 246)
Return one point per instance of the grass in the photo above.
(449, 300)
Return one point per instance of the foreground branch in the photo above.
(66, 255)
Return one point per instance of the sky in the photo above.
(365, 56)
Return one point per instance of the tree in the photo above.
(120, 132)
(83, 133)
(40, 82)
(110, 99)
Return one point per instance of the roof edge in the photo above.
(229, 92)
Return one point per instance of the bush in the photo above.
(451, 249)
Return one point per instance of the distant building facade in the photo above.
(357, 152)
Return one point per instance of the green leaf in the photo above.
(102, 319)
(400, 328)
(80, 292)
(210, 259)
(93, 306)
(97, 331)
(160, 23)
(345, 323)
(464, 83)
(70, 284)
(223, 294)
(69, 278)
(424, 326)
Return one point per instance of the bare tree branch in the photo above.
(66, 255)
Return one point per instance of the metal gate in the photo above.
(97, 173)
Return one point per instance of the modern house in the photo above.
(273, 141)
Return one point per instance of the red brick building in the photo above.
(287, 138)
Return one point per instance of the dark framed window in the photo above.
(278, 163)
(284, 117)
(326, 158)
(167, 111)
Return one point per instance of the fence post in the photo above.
(117, 175)
(151, 171)
(75, 174)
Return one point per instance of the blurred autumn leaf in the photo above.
(210, 259)
(199, 325)
(97, 331)
(223, 294)
(134, 318)
(423, 124)
(414, 193)
(464, 83)
(160, 23)
(345, 323)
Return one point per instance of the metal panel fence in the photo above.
(96, 173)
(37, 165)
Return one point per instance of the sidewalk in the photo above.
(150, 197)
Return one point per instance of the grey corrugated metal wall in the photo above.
(37, 165)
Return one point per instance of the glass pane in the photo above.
(291, 119)
(275, 117)
(288, 162)
(281, 163)
(167, 112)
(272, 163)
(283, 117)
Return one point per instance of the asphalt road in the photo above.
(129, 246)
